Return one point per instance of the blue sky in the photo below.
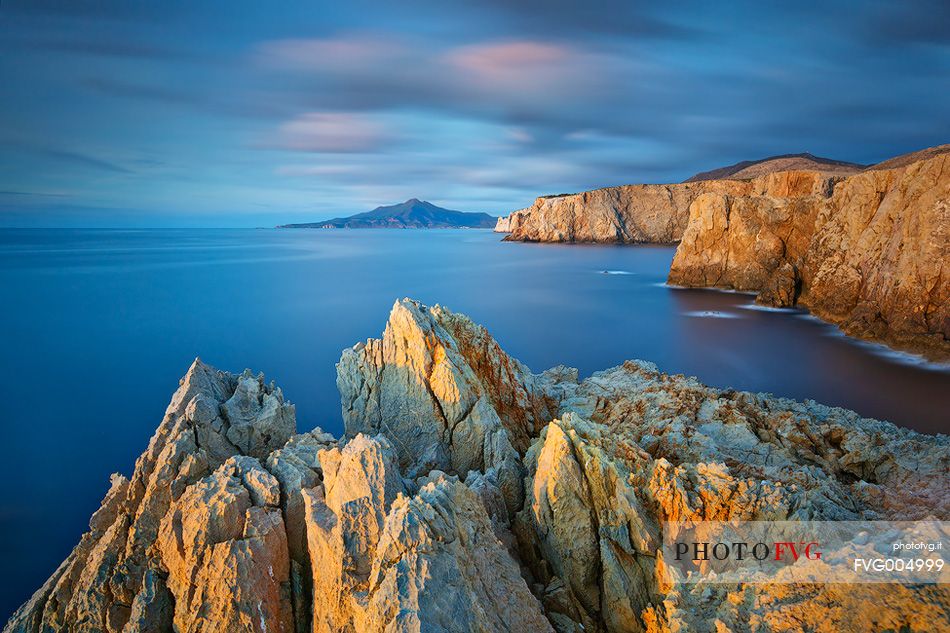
(252, 114)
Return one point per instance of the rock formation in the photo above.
(503, 224)
(470, 494)
(628, 214)
(870, 252)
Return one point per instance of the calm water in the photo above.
(98, 326)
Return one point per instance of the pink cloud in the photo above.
(513, 64)
(332, 132)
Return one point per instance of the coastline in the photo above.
(482, 512)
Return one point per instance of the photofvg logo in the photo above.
(909, 552)
(783, 551)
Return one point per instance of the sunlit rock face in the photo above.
(181, 541)
(472, 495)
(392, 554)
(870, 252)
(635, 448)
(446, 394)
(626, 214)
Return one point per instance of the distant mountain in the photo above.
(754, 168)
(411, 214)
(906, 159)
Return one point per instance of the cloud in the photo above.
(503, 71)
(65, 155)
(491, 100)
(520, 82)
(33, 194)
(582, 20)
(125, 89)
(339, 54)
(95, 10)
(116, 48)
(204, 100)
(332, 132)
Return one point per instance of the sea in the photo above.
(99, 325)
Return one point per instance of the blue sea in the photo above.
(99, 325)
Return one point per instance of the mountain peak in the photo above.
(411, 214)
(784, 162)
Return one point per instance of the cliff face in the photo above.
(469, 494)
(627, 214)
(870, 252)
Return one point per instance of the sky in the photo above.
(245, 114)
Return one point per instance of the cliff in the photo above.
(626, 214)
(870, 252)
(469, 494)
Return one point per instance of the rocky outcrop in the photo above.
(195, 494)
(395, 555)
(870, 252)
(446, 394)
(503, 224)
(621, 215)
(866, 250)
(635, 448)
(470, 494)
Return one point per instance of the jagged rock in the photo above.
(258, 420)
(439, 567)
(344, 519)
(225, 548)
(114, 573)
(635, 448)
(363, 535)
(296, 465)
(387, 560)
(870, 252)
(445, 394)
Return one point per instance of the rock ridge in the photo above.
(470, 494)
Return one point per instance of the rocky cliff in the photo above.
(469, 494)
(627, 214)
(870, 252)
